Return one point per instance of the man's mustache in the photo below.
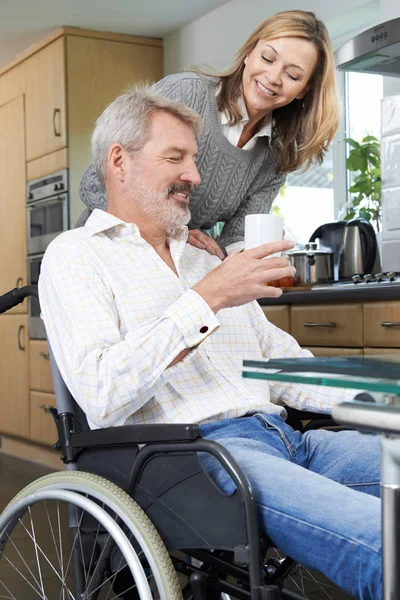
(180, 188)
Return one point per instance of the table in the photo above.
(377, 410)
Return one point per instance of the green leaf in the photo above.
(364, 161)
(354, 162)
(363, 178)
(365, 214)
(356, 188)
(352, 142)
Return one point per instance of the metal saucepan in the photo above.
(312, 264)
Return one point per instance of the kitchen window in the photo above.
(306, 200)
(319, 195)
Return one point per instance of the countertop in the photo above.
(333, 294)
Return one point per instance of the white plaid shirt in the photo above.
(116, 316)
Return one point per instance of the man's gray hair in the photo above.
(127, 120)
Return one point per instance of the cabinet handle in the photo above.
(390, 324)
(19, 282)
(328, 324)
(56, 112)
(47, 408)
(45, 355)
(21, 328)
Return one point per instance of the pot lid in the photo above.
(309, 248)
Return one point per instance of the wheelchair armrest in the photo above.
(136, 434)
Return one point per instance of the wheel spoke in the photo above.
(23, 577)
(61, 549)
(53, 536)
(94, 555)
(22, 559)
(37, 555)
(76, 534)
(99, 562)
(38, 550)
(11, 596)
(80, 511)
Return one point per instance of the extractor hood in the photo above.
(376, 50)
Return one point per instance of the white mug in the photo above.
(261, 229)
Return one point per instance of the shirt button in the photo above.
(204, 329)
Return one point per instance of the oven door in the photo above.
(46, 219)
(35, 323)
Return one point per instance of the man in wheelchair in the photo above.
(147, 329)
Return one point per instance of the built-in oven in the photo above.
(36, 327)
(47, 210)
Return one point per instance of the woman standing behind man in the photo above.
(274, 111)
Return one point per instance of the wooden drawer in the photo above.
(382, 324)
(42, 427)
(381, 351)
(39, 367)
(279, 316)
(321, 351)
(328, 325)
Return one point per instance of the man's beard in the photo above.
(170, 214)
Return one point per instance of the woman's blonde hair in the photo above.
(303, 129)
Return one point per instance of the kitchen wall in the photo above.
(214, 38)
(390, 9)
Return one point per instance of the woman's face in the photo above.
(276, 72)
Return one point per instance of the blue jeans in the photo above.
(316, 494)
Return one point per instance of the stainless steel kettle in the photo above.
(358, 249)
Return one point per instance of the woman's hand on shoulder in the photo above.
(204, 242)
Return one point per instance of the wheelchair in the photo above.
(135, 516)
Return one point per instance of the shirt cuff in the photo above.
(194, 318)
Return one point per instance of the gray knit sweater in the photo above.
(234, 182)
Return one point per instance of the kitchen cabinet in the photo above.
(381, 351)
(98, 70)
(382, 324)
(42, 426)
(50, 98)
(14, 375)
(12, 198)
(331, 351)
(39, 367)
(278, 316)
(343, 328)
(45, 89)
(328, 325)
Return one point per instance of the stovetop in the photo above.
(390, 279)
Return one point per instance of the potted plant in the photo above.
(364, 159)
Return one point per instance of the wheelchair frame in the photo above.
(172, 450)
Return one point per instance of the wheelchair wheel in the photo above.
(71, 535)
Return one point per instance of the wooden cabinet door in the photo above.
(40, 377)
(42, 426)
(14, 377)
(46, 127)
(328, 325)
(382, 351)
(326, 351)
(278, 316)
(13, 270)
(382, 324)
(99, 70)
